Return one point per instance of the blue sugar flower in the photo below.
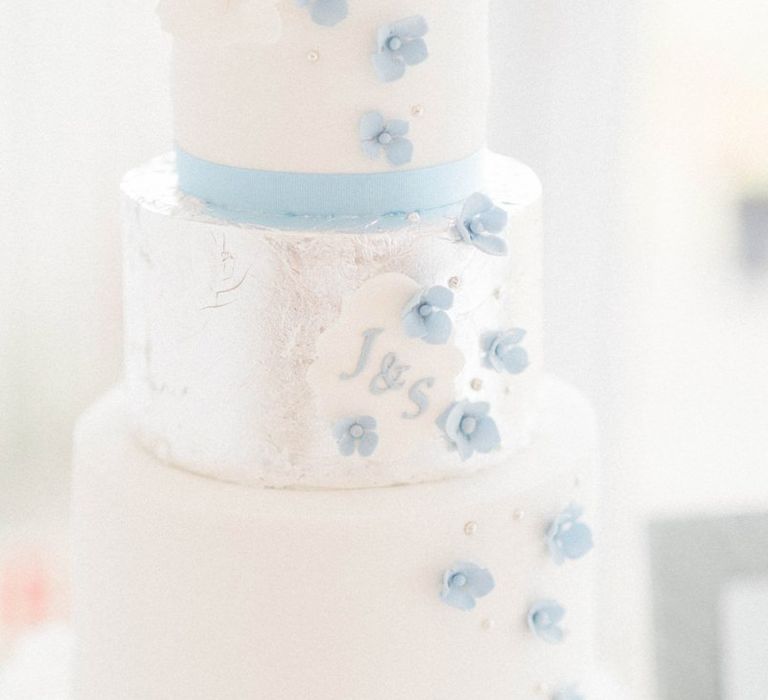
(469, 427)
(400, 44)
(356, 434)
(377, 135)
(424, 316)
(464, 582)
(570, 693)
(503, 351)
(567, 538)
(326, 12)
(544, 620)
(480, 222)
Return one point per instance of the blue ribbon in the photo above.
(270, 197)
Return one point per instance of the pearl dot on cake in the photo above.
(488, 624)
(542, 689)
(414, 217)
(417, 110)
(313, 56)
(454, 283)
(470, 528)
(518, 514)
(476, 384)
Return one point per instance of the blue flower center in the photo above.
(394, 43)
(357, 431)
(384, 138)
(468, 425)
(458, 580)
(477, 226)
(542, 619)
(426, 310)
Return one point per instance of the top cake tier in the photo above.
(329, 86)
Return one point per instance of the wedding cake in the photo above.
(334, 469)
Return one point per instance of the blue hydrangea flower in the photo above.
(570, 693)
(463, 583)
(424, 316)
(400, 44)
(480, 222)
(377, 135)
(325, 12)
(356, 434)
(503, 351)
(544, 620)
(469, 427)
(567, 538)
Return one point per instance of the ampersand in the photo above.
(390, 375)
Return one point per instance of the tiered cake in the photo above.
(334, 470)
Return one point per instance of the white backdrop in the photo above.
(645, 122)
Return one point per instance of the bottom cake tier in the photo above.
(186, 587)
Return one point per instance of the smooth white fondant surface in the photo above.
(269, 107)
(223, 323)
(186, 587)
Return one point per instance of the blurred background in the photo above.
(648, 124)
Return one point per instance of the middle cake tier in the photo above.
(362, 357)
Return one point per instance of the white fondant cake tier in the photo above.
(237, 337)
(291, 98)
(186, 587)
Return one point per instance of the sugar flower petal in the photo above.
(356, 435)
(410, 27)
(397, 127)
(414, 52)
(469, 428)
(399, 151)
(398, 45)
(567, 537)
(486, 436)
(463, 583)
(388, 67)
(503, 351)
(424, 315)
(346, 445)
(569, 693)
(480, 224)
(371, 125)
(492, 245)
(476, 204)
(495, 219)
(441, 297)
(325, 12)
(439, 327)
(368, 443)
(544, 618)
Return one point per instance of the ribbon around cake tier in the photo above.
(316, 199)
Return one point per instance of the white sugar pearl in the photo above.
(414, 217)
(454, 283)
(518, 514)
(476, 384)
(313, 56)
(470, 528)
(488, 625)
(417, 110)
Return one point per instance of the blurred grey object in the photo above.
(754, 233)
(700, 567)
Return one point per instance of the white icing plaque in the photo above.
(367, 365)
